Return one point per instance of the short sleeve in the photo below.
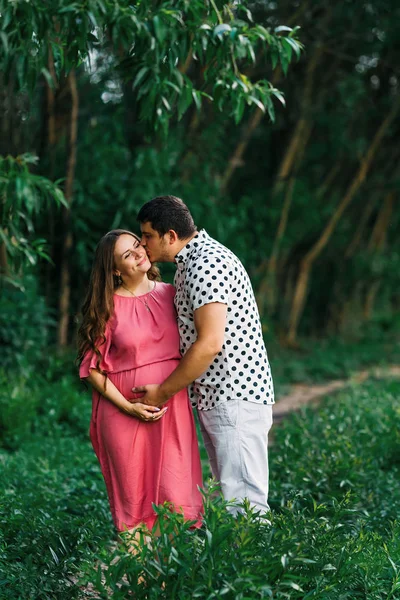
(210, 281)
(172, 290)
(90, 359)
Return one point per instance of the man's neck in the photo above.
(183, 243)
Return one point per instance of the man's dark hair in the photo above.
(168, 212)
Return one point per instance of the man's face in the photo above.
(156, 245)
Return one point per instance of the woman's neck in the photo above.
(136, 285)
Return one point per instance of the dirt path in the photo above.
(302, 394)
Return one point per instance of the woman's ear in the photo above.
(116, 273)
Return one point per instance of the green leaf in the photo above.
(70, 8)
(140, 76)
(270, 108)
(221, 29)
(239, 109)
(256, 101)
(296, 47)
(251, 52)
(282, 28)
(279, 95)
(294, 31)
(21, 65)
(173, 86)
(48, 77)
(4, 39)
(197, 98)
(287, 48)
(284, 62)
(185, 100)
(166, 103)
(178, 76)
(159, 29)
(274, 57)
(233, 33)
(6, 19)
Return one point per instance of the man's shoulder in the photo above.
(213, 248)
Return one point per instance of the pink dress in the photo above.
(144, 462)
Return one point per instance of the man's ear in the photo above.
(172, 237)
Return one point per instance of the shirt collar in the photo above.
(191, 247)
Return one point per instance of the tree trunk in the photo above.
(236, 160)
(269, 282)
(315, 251)
(340, 305)
(4, 269)
(355, 242)
(266, 296)
(290, 157)
(324, 187)
(184, 67)
(248, 129)
(377, 244)
(51, 145)
(370, 299)
(65, 286)
(379, 232)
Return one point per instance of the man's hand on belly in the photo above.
(209, 321)
(153, 394)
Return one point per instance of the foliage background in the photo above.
(105, 104)
(108, 102)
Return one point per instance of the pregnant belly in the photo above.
(154, 373)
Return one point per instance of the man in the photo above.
(224, 360)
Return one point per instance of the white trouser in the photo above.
(235, 435)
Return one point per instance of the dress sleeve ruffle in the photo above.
(90, 359)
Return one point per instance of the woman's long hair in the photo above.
(98, 306)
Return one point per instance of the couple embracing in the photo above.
(150, 349)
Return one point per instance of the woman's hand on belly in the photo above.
(145, 412)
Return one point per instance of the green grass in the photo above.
(53, 514)
(333, 532)
(319, 360)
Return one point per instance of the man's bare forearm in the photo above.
(193, 364)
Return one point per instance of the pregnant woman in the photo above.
(128, 337)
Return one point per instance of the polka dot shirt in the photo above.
(208, 272)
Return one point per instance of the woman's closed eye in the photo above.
(130, 252)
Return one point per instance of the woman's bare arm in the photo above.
(109, 391)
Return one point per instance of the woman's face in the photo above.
(130, 257)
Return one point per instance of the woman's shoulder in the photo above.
(166, 289)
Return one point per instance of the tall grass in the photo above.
(333, 531)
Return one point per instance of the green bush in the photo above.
(25, 325)
(325, 553)
(351, 444)
(18, 409)
(333, 532)
(53, 515)
(42, 401)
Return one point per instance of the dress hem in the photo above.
(150, 521)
